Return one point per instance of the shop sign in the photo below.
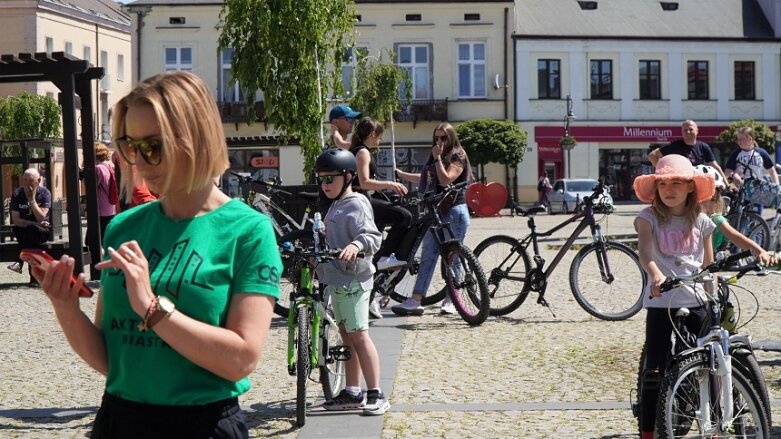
(626, 133)
(260, 161)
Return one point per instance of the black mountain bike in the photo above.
(606, 277)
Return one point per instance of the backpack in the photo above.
(540, 186)
(113, 189)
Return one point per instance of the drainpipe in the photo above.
(140, 12)
(506, 35)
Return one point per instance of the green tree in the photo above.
(283, 48)
(377, 86)
(763, 135)
(29, 116)
(498, 141)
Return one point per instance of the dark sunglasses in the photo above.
(442, 138)
(150, 150)
(326, 179)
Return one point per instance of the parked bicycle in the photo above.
(744, 218)
(606, 277)
(712, 386)
(461, 271)
(313, 339)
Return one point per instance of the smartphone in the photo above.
(39, 258)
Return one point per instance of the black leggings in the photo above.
(32, 236)
(386, 213)
(658, 329)
(119, 418)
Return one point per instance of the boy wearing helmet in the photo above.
(714, 208)
(349, 225)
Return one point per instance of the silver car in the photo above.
(568, 192)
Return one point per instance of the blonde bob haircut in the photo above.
(194, 148)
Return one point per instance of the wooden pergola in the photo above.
(73, 77)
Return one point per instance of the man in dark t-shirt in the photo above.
(698, 152)
(29, 208)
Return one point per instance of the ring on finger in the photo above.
(128, 255)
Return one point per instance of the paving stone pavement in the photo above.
(527, 374)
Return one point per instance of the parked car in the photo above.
(568, 192)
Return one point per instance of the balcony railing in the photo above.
(236, 112)
(422, 110)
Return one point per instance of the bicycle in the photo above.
(704, 393)
(744, 218)
(464, 279)
(313, 336)
(606, 277)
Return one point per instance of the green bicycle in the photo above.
(313, 338)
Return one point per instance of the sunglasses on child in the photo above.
(326, 179)
(149, 149)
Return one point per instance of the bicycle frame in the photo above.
(305, 297)
(267, 206)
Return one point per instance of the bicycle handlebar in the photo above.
(310, 252)
(713, 267)
(273, 187)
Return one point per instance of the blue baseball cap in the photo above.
(343, 111)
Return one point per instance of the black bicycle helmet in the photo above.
(336, 160)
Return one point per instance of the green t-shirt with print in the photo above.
(198, 263)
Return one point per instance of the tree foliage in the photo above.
(28, 116)
(498, 141)
(763, 135)
(377, 86)
(292, 52)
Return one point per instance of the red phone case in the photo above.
(39, 258)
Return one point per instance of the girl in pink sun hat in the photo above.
(673, 239)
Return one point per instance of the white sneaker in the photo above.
(374, 309)
(408, 307)
(389, 262)
(447, 307)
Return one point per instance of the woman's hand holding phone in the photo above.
(56, 277)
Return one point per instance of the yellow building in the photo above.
(457, 52)
(94, 30)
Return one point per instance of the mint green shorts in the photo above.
(351, 306)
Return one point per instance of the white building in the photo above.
(635, 69)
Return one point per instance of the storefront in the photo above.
(621, 151)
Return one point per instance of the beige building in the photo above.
(95, 30)
(457, 53)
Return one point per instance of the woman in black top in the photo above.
(366, 138)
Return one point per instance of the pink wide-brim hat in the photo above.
(671, 167)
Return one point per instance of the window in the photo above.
(49, 45)
(650, 79)
(697, 72)
(413, 58)
(179, 58)
(229, 88)
(69, 48)
(349, 62)
(601, 79)
(105, 82)
(471, 70)
(548, 79)
(88, 53)
(744, 81)
(471, 17)
(413, 17)
(120, 67)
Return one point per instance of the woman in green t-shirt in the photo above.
(188, 283)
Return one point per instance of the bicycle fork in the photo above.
(604, 266)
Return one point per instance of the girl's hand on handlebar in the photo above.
(397, 187)
(766, 258)
(349, 253)
(655, 283)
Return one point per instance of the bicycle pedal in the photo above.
(384, 300)
(340, 353)
(292, 370)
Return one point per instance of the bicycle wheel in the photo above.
(608, 284)
(400, 284)
(332, 372)
(465, 283)
(744, 359)
(505, 264)
(302, 363)
(689, 407)
(752, 226)
(289, 279)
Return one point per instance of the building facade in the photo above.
(457, 53)
(634, 71)
(94, 30)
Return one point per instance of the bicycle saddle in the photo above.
(530, 211)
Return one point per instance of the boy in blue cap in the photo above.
(342, 118)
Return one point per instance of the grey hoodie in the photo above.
(350, 220)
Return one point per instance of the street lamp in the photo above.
(567, 118)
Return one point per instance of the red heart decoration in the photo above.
(486, 200)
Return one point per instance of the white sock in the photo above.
(354, 391)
